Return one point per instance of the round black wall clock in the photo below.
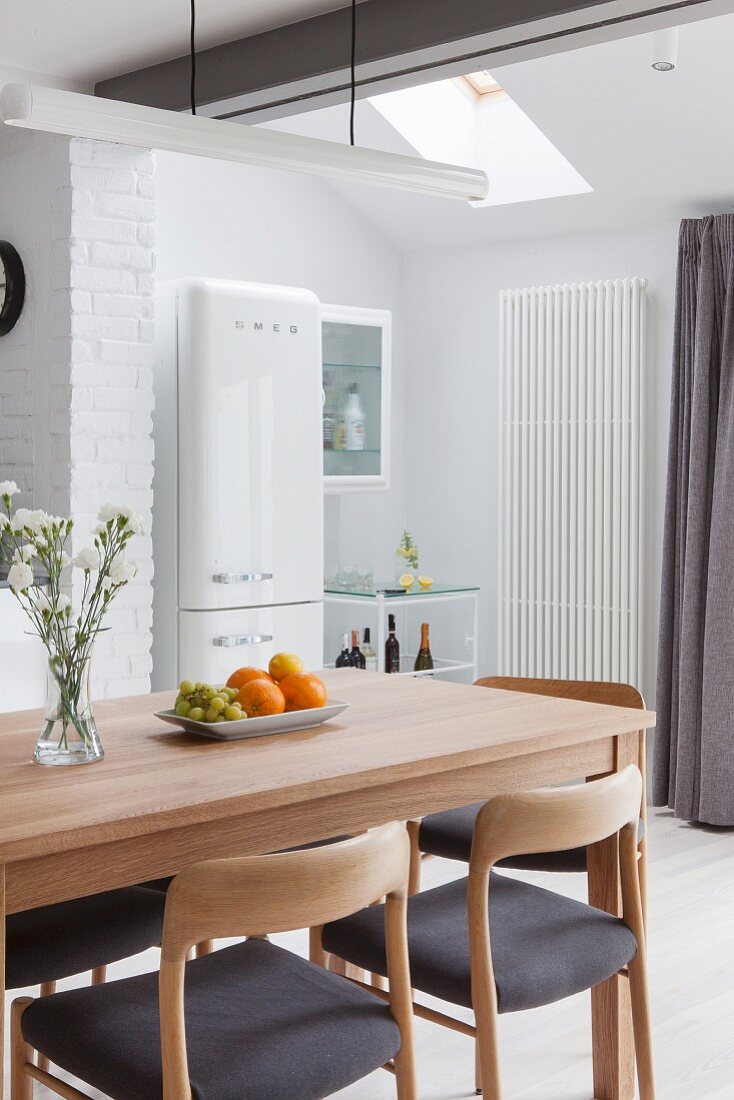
(12, 287)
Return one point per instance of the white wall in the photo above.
(452, 378)
(232, 221)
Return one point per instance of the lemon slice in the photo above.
(425, 582)
(406, 580)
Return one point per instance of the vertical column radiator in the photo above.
(571, 481)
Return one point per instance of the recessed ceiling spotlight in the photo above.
(665, 49)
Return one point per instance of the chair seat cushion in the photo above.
(261, 1024)
(449, 834)
(56, 941)
(544, 946)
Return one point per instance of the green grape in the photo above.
(211, 715)
(220, 718)
(232, 692)
(196, 714)
(233, 714)
(186, 687)
(217, 704)
(183, 708)
(209, 692)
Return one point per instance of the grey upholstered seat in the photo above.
(544, 946)
(56, 941)
(261, 1024)
(449, 834)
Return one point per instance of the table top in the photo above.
(155, 778)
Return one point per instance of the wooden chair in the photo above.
(449, 834)
(249, 1020)
(525, 946)
(53, 942)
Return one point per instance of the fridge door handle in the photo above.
(229, 640)
(240, 578)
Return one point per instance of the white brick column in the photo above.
(110, 449)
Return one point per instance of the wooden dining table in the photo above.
(162, 799)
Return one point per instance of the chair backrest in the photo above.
(543, 821)
(555, 819)
(255, 895)
(608, 692)
(586, 691)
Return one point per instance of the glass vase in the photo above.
(70, 734)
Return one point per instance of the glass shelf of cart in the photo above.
(392, 593)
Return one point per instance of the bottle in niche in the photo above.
(368, 652)
(424, 660)
(344, 660)
(329, 412)
(353, 420)
(392, 647)
(356, 655)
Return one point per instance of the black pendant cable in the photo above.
(192, 50)
(353, 72)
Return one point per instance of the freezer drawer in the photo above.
(212, 644)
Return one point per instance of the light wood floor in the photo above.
(547, 1052)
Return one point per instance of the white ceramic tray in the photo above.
(257, 727)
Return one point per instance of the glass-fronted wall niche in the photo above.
(356, 385)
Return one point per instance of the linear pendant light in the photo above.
(36, 108)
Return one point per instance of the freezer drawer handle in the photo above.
(228, 640)
(240, 578)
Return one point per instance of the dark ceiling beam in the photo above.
(274, 73)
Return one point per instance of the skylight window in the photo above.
(482, 82)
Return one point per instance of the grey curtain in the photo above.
(694, 749)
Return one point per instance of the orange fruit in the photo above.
(284, 664)
(243, 676)
(259, 697)
(303, 691)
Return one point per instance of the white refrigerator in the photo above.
(238, 483)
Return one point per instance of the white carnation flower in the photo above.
(64, 559)
(106, 584)
(42, 602)
(25, 553)
(122, 571)
(8, 489)
(20, 576)
(31, 519)
(108, 512)
(87, 559)
(4, 522)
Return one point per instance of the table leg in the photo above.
(2, 978)
(611, 1016)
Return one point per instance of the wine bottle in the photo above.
(392, 647)
(344, 660)
(424, 660)
(356, 656)
(369, 654)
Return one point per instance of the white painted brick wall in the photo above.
(76, 387)
(111, 243)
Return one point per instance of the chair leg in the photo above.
(21, 1085)
(639, 997)
(488, 1056)
(47, 988)
(414, 878)
(99, 975)
(477, 1070)
(316, 951)
(642, 871)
